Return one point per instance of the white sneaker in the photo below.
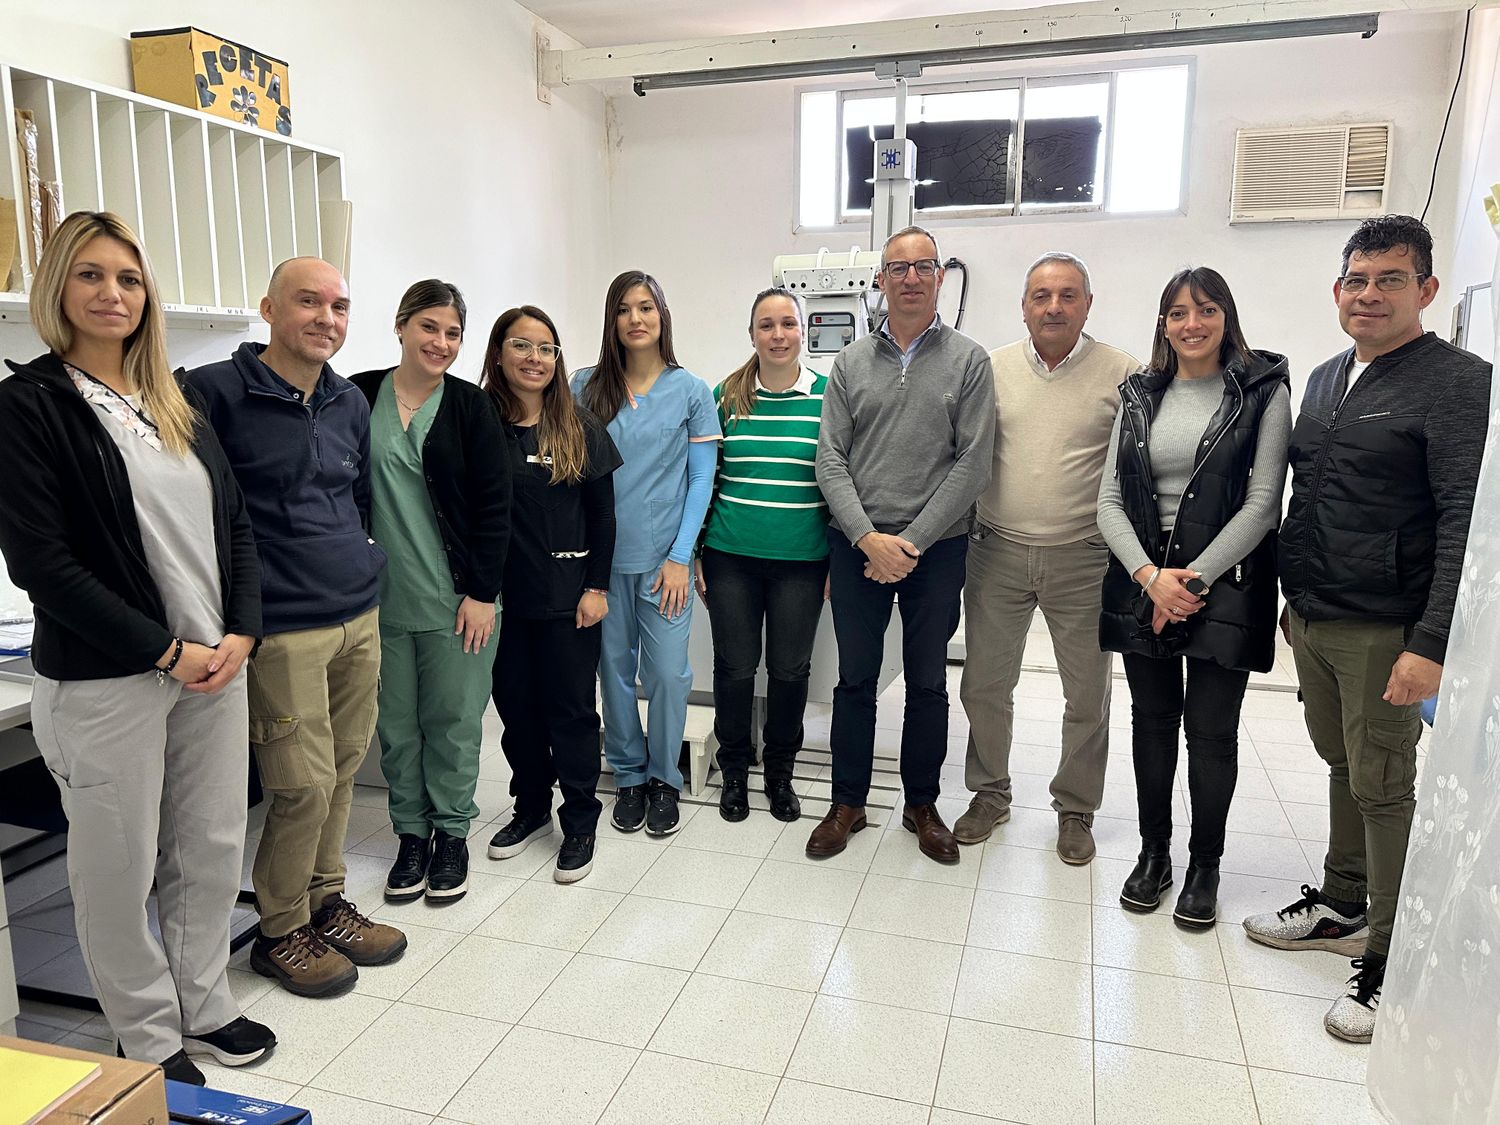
(1310, 923)
(1352, 1017)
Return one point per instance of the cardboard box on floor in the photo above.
(124, 1093)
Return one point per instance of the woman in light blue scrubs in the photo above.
(662, 419)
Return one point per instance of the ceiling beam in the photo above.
(1103, 25)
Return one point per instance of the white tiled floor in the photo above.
(720, 975)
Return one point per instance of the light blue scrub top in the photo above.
(652, 433)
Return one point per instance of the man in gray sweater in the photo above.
(905, 448)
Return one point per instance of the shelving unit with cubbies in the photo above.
(216, 204)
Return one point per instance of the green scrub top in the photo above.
(416, 587)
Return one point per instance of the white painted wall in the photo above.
(455, 168)
(1471, 165)
(703, 196)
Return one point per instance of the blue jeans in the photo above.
(638, 640)
(929, 599)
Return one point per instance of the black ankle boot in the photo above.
(1152, 875)
(1198, 904)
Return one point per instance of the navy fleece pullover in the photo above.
(304, 469)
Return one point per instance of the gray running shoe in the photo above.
(1309, 923)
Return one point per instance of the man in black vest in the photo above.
(1385, 457)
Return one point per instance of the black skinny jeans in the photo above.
(786, 598)
(1208, 710)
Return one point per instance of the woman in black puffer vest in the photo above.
(1189, 505)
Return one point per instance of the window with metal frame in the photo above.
(1108, 142)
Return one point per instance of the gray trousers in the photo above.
(153, 780)
(1006, 584)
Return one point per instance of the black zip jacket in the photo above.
(564, 536)
(1236, 628)
(1382, 489)
(69, 533)
(466, 460)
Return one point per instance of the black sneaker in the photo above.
(784, 803)
(630, 808)
(514, 838)
(180, 1068)
(734, 798)
(448, 873)
(661, 810)
(238, 1042)
(408, 877)
(575, 860)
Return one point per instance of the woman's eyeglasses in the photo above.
(524, 349)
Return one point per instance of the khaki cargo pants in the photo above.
(312, 715)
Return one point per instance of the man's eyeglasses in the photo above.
(523, 349)
(1386, 282)
(897, 270)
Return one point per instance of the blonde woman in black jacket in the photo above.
(124, 525)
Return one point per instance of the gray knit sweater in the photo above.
(907, 453)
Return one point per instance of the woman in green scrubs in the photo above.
(440, 483)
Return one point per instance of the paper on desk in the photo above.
(15, 636)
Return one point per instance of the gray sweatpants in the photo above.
(153, 780)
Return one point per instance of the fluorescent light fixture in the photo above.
(1364, 25)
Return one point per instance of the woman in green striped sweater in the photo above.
(765, 553)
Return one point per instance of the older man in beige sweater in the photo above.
(1037, 544)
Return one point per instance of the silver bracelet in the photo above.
(1155, 574)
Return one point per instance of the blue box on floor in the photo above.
(198, 1104)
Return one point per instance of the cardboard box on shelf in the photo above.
(124, 1092)
(202, 71)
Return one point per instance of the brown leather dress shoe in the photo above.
(831, 836)
(933, 838)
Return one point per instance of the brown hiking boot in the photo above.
(358, 938)
(302, 964)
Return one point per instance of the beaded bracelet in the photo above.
(161, 673)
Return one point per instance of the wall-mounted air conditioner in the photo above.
(1314, 172)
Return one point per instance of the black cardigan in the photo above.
(71, 540)
(467, 465)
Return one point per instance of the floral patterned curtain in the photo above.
(1436, 1055)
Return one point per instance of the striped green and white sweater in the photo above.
(766, 502)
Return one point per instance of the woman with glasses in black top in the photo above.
(555, 590)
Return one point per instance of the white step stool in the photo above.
(699, 736)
